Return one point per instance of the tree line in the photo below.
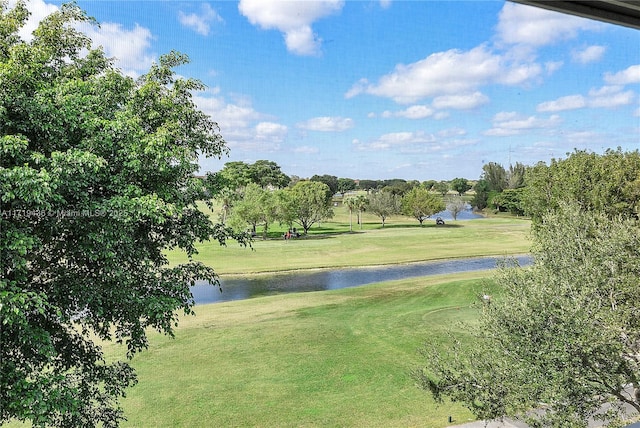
(257, 195)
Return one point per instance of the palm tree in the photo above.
(361, 204)
(352, 204)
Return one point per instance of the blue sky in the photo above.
(388, 89)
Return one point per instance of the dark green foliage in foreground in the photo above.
(609, 183)
(563, 336)
(96, 180)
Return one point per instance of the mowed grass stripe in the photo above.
(333, 358)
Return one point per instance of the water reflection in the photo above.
(331, 279)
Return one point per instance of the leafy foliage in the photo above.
(384, 204)
(563, 337)
(306, 203)
(96, 180)
(495, 175)
(608, 183)
(420, 204)
(460, 185)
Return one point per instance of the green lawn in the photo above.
(325, 359)
(321, 359)
(401, 241)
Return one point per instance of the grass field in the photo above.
(402, 240)
(323, 359)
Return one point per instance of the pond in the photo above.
(466, 214)
(331, 279)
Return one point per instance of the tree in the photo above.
(455, 205)
(368, 184)
(257, 207)
(512, 200)
(330, 180)
(441, 187)
(495, 176)
(515, 176)
(428, 184)
(352, 204)
(267, 173)
(236, 175)
(561, 337)
(346, 184)
(308, 203)
(96, 181)
(597, 182)
(481, 198)
(420, 204)
(460, 185)
(361, 203)
(384, 204)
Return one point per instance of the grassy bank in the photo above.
(336, 358)
(401, 241)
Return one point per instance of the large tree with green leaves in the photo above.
(257, 207)
(609, 182)
(561, 339)
(96, 181)
(420, 204)
(267, 173)
(495, 175)
(307, 203)
(460, 185)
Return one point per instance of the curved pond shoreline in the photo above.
(320, 279)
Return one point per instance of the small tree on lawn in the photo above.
(352, 204)
(455, 205)
(309, 203)
(460, 185)
(384, 204)
(420, 204)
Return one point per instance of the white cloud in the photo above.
(552, 66)
(130, 48)
(271, 132)
(385, 4)
(461, 102)
(590, 54)
(395, 139)
(242, 126)
(327, 124)
(453, 72)
(306, 150)
(509, 123)
(570, 102)
(293, 19)
(604, 97)
(413, 112)
(533, 26)
(625, 77)
(452, 132)
(610, 97)
(200, 22)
